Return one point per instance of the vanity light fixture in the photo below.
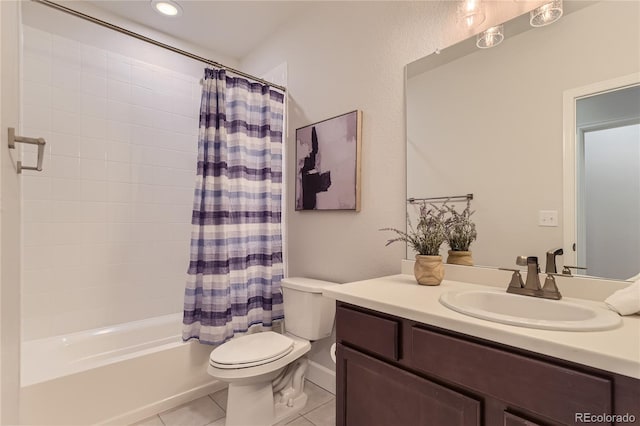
(167, 7)
(490, 37)
(471, 12)
(546, 14)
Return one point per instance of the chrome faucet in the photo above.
(532, 285)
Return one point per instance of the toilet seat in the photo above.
(251, 350)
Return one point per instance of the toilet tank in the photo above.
(307, 314)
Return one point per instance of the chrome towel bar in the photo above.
(40, 142)
(467, 197)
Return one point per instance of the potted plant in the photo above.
(460, 232)
(425, 240)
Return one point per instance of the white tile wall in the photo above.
(106, 225)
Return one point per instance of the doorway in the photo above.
(602, 179)
(609, 201)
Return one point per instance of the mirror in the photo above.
(491, 122)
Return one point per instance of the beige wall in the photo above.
(343, 56)
(9, 220)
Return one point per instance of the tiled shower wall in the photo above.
(106, 225)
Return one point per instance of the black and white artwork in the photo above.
(328, 164)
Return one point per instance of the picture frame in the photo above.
(328, 164)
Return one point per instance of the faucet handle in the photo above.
(566, 269)
(516, 278)
(529, 262)
(526, 260)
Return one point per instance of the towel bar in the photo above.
(32, 141)
(467, 197)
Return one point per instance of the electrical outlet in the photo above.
(548, 218)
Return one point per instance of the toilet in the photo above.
(266, 370)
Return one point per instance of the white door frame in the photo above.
(570, 141)
(10, 249)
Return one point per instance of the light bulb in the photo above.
(470, 12)
(546, 14)
(491, 37)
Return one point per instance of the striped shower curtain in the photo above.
(236, 243)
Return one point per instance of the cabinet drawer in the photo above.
(539, 387)
(369, 332)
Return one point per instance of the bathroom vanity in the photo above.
(404, 359)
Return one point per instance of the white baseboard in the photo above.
(165, 404)
(322, 376)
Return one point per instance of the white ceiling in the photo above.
(230, 28)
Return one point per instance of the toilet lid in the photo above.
(251, 350)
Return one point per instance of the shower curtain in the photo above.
(236, 243)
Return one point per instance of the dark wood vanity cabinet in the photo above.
(396, 372)
(381, 394)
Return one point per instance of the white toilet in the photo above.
(265, 371)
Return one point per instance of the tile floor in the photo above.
(209, 411)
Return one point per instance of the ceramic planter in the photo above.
(460, 258)
(428, 270)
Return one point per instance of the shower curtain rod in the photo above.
(154, 42)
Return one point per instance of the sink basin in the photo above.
(531, 312)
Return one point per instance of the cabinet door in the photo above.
(373, 393)
(514, 420)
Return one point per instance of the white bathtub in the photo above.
(112, 375)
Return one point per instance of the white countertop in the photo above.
(616, 350)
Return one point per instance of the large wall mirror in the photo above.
(495, 123)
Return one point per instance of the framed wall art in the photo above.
(328, 164)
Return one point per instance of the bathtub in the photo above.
(113, 375)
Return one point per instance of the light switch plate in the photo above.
(548, 218)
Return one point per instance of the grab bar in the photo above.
(32, 141)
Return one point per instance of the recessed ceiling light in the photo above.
(167, 7)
